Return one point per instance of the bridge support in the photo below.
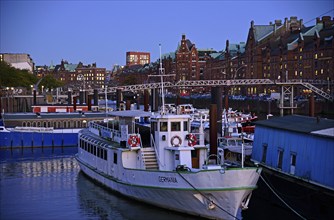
(146, 100)
(119, 98)
(216, 98)
(286, 92)
(154, 100)
(213, 130)
(96, 97)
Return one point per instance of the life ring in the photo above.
(176, 141)
(134, 141)
(192, 140)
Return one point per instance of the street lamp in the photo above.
(236, 73)
(81, 77)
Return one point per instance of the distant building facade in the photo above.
(137, 58)
(279, 51)
(77, 76)
(21, 61)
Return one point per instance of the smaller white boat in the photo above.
(234, 149)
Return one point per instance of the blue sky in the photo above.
(102, 31)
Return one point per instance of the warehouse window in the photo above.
(293, 158)
(264, 153)
(280, 158)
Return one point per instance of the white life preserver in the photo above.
(176, 141)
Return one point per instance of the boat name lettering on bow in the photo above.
(167, 179)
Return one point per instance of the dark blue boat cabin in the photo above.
(298, 146)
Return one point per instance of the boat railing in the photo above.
(103, 131)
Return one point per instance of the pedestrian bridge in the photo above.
(286, 85)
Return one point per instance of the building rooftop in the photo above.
(56, 115)
(303, 124)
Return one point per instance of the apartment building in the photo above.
(21, 61)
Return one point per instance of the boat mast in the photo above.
(161, 73)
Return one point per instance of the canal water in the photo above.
(47, 184)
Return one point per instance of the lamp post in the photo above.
(235, 74)
(81, 77)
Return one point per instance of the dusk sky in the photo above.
(103, 31)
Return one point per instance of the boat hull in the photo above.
(185, 192)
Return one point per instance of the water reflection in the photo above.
(96, 201)
(39, 189)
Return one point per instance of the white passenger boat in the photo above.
(172, 171)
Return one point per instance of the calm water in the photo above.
(47, 184)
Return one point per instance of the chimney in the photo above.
(286, 24)
(183, 36)
(278, 22)
(252, 24)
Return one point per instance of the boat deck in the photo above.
(95, 139)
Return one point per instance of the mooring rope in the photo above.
(302, 217)
(207, 197)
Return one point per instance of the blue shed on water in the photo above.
(298, 146)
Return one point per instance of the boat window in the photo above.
(115, 158)
(264, 153)
(99, 152)
(175, 126)
(105, 157)
(154, 126)
(163, 126)
(185, 126)
(86, 146)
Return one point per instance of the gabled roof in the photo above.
(166, 55)
(70, 67)
(298, 123)
(189, 44)
(262, 31)
(215, 55)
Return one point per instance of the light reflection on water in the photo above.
(52, 187)
(43, 184)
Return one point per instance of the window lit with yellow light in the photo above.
(316, 56)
